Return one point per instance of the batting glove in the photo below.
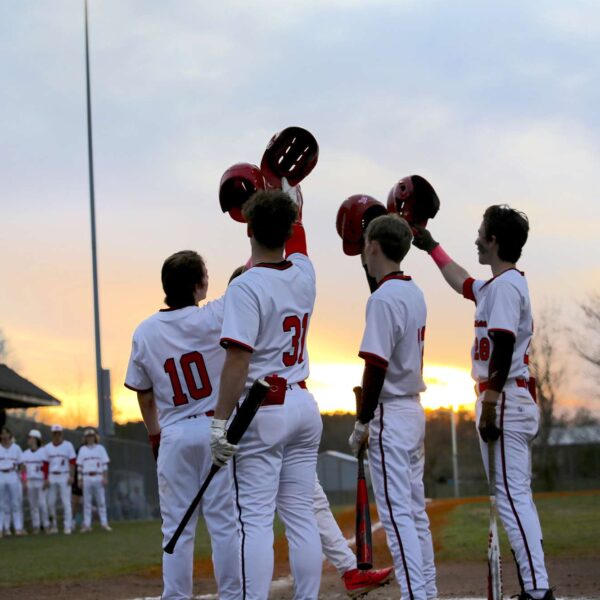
(488, 430)
(295, 193)
(220, 449)
(422, 239)
(154, 440)
(359, 437)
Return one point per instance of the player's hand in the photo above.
(359, 437)
(422, 239)
(295, 193)
(488, 430)
(220, 449)
(154, 440)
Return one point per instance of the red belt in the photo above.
(484, 385)
(275, 397)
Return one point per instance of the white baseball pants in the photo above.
(518, 416)
(38, 507)
(58, 486)
(183, 463)
(275, 470)
(11, 500)
(396, 463)
(93, 489)
(335, 547)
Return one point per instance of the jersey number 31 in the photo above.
(187, 362)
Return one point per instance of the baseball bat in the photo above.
(494, 560)
(364, 542)
(243, 417)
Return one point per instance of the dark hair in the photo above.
(270, 215)
(510, 227)
(236, 273)
(393, 234)
(180, 275)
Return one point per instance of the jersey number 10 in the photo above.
(186, 362)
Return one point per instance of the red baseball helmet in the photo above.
(353, 216)
(414, 199)
(292, 153)
(238, 183)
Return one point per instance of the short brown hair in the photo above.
(180, 275)
(270, 215)
(510, 227)
(392, 233)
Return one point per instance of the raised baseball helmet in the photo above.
(238, 183)
(292, 153)
(353, 216)
(414, 198)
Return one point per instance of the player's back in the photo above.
(278, 299)
(176, 354)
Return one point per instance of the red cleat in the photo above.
(359, 583)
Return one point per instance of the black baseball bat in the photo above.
(243, 417)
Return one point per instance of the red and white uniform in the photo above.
(394, 337)
(175, 353)
(92, 463)
(267, 312)
(59, 458)
(11, 496)
(502, 304)
(36, 494)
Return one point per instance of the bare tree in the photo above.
(587, 343)
(549, 371)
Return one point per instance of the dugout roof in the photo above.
(18, 392)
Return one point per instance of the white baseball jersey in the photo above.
(59, 457)
(268, 308)
(10, 458)
(502, 305)
(33, 462)
(92, 459)
(172, 354)
(394, 335)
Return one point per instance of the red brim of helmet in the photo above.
(351, 248)
(236, 214)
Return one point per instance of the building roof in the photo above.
(572, 436)
(18, 392)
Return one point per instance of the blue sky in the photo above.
(491, 102)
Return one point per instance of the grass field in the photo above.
(571, 529)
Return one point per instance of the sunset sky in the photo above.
(490, 102)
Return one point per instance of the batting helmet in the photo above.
(353, 216)
(292, 153)
(238, 183)
(414, 199)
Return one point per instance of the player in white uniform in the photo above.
(267, 314)
(391, 416)
(92, 469)
(11, 506)
(506, 410)
(33, 461)
(174, 354)
(59, 459)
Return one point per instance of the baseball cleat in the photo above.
(85, 529)
(20, 532)
(359, 583)
(106, 528)
(549, 595)
(67, 532)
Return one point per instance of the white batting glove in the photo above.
(359, 437)
(220, 449)
(294, 193)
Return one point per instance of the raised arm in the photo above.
(453, 273)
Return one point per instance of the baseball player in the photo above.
(391, 415)
(173, 358)
(92, 468)
(33, 461)
(506, 410)
(11, 459)
(59, 460)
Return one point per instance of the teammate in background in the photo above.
(59, 460)
(33, 481)
(11, 497)
(391, 415)
(505, 408)
(92, 467)
(267, 313)
(173, 352)
(77, 494)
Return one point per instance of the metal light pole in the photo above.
(454, 452)
(103, 425)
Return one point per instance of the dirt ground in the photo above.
(576, 578)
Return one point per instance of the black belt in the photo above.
(6, 470)
(92, 474)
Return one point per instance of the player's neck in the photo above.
(260, 254)
(6, 444)
(384, 268)
(499, 266)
